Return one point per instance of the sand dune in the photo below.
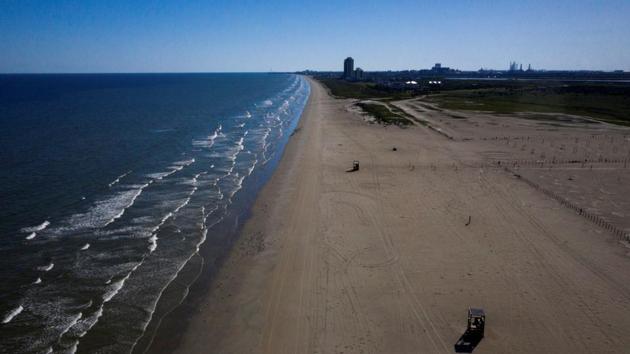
(381, 260)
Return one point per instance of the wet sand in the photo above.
(381, 260)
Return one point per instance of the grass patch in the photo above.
(605, 103)
(383, 114)
(363, 90)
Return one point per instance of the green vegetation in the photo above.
(363, 90)
(383, 114)
(381, 110)
(605, 102)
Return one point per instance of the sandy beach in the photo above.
(388, 259)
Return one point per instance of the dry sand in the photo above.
(381, 261)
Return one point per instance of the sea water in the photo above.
(110, 184)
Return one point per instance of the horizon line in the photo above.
(290, 72)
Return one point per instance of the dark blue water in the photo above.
(109, 185)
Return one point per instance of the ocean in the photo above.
(112, 184)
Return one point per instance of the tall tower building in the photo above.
(348, 68)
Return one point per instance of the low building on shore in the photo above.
(358, 74)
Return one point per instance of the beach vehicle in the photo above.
(474, 331)
(355, 166)
(476, 321)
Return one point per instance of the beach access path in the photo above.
(382, 261)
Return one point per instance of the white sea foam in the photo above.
(11, 315)
(186, 201)
(73, 348)
(233, 152)
(115, 288)
(164, 218)
(98, 314)
(179, 268)
(240, 125)
(203, 143)
(119, 178)
(236, 180)
(247, 114)
(239, 185)
(103, 212)
(205, 215)
(137, 226)
(285, 107)
(209, 141)
(73, 322)
(204, 235)
(153, 239)
(85, 323)
(37, 281)
(36, 228)
(231, 169)
(174, 169)
(161, 175)
(47, 267)
(177, 166)
(251, 169)
(152, 243)
(184, 162)
(267, 103)
(134, 195)
(31, 236)
(266, 135)
(245, 165)
(86, 246)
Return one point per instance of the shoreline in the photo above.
(383, 260)
(250, 240)
(202, 276)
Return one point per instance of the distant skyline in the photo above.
(236, 36)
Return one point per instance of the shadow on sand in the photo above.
(468, 342)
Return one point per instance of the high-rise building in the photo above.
(358, 74)
(348, 68)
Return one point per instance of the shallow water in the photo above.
(109, 186)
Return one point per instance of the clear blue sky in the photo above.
(173, 36)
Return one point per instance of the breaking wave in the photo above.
(36, 228)
(111, 184)
(11, 315)
(47, 267)
(173, 205)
